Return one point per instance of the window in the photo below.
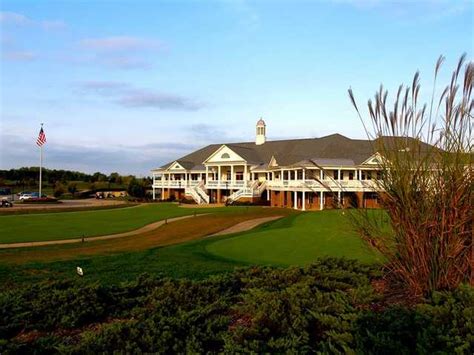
(335, 174)
(362, 173)
(300, 175)
(351, 175)
(239, 175)
(311, 198)
(225, 156)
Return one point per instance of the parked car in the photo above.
(26, 196)
(23, 193)
(6, 197)
(37, 195)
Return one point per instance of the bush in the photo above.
(59, 189)
(136, 189)
(324, 307)
(444, 323)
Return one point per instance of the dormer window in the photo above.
(225, 156)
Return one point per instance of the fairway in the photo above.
(56, 226)
(295, 240)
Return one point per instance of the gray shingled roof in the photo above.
(334, 149)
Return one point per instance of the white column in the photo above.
(154, 197)
(321, 202)
(281, 176)
(245, 173)
(303, 203)
(295, 200)
(321, 174)
(219, 174)
(304, 175)
(232, 179)
(207, 174)
(339, 188)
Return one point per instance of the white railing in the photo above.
(197, 193)
(200, 191)
(175, 183)
(225, 184)
(325, 185)
(253, 189)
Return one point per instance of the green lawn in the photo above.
(55, 226)
(296, 240)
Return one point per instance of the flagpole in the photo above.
(41, 167)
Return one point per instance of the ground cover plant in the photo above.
(329, 306)
(428, 188)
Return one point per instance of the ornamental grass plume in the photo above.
(426, 156)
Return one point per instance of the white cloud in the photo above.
(18, 56)
(119, 52)
(127, 95)
(16, 19)
(121, 43)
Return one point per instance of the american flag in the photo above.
(41, 138)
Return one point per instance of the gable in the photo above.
(374, 160)
(223, 155)
(175, 166)
(273, 163)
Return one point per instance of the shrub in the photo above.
(324, 307)
(136, 189)
(59, 189)
(428, 188)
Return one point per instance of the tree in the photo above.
(428, 187)
(114, 177)
(59, 189)
(136, 188)
(72, 187)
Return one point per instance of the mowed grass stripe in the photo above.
(296, 240)
(56, 226)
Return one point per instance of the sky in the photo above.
(127, 86)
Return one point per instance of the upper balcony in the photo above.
(324, 185)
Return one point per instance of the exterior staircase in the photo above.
(197, 193)
(253, 189)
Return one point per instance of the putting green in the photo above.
(296, 240)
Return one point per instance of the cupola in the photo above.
(261, 132)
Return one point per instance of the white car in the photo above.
(26, 196)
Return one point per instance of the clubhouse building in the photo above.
(306, 174)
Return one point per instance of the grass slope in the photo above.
(56, 226)
(296, 240)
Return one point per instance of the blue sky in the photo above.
(128, 85)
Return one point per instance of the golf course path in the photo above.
(147, 228)
(246, 225)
